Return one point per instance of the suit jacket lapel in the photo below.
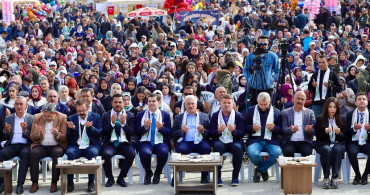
(12, 121)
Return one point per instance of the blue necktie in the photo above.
(116, 128)
(361, 118)
(152, 130)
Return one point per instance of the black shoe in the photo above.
(110, 182)
(156, 178)
(356, 180)
(70, 187)
(204, 179)
(364, 179)
(1, 187)
(121, 182)
(256, 176)
(148, 177)
(265, 176)
(90, 186)
(19, 188)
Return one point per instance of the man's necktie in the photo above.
(361, 118)
(116, 128)
(152, 129)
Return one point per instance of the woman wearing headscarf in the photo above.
(351, 73)
(346, 98)
(64, 97)
(107, 100)
(118, 78)
(36, 98)
(34, 75)
(110, 77)
(145, 81)
(286, 96)
(127, 104)
(241, 84)
(102, 88)
(211, 87)
(73, 87)
(131, 85)
(343, 62)
(80, 34)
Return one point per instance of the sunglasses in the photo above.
(186, 94)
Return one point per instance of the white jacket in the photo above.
(2, 45)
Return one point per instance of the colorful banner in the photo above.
(204, 16)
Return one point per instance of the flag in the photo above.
(110, 10)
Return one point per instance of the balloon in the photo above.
(52, 3)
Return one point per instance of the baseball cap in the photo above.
(173, 44)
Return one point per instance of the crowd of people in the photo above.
(82, 84)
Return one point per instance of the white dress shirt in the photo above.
(18, 132)
(298, 120)
(49, 137)
(121, 139)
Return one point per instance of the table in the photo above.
(7, 174)
(189, 166)
(296, 179)
(80, 169)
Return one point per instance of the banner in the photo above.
(204, 16)
(123, 8)
(8, 10)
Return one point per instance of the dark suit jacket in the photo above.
(60, 108)
(10, 120)
(350, 131)
(165, 131)
(94, 132)
(287, 116)
(176, 129)
(129, 128)
(179, 103)
(239, 132)
(96, 108)
(30, 110)
(249, 126)
(322, 138)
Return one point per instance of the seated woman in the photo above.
(285, 97)
(330, 140)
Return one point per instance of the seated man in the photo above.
(180, 105)
(118, 127)
(49, 138)
(358, 128)
(83, 134)
(227, 131)
(153, 128)
(191, 131)
(17, 129)
(216, 103)
(263, 126)
(298, 130)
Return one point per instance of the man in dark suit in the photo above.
(17, 130)
(263, 124)
(180, 105)
(88, 94)
(192, 132)
(30, 109)
(153, 128)
(83, 134)
(53, 97)
(357, 126)
(298, 127)
(118, 127)
(227, 131)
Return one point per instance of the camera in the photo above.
(257, 60)
(284, 46)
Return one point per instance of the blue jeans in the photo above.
(254, 151)
(266, 32)
(73, 152)
(317, 109)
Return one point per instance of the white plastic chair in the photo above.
(228, 154)
(179, 96)
(348, 165)
(236, 95)
(142, 170)
(117, 157)
(251, 168)
(206, 96)
(317, 174)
